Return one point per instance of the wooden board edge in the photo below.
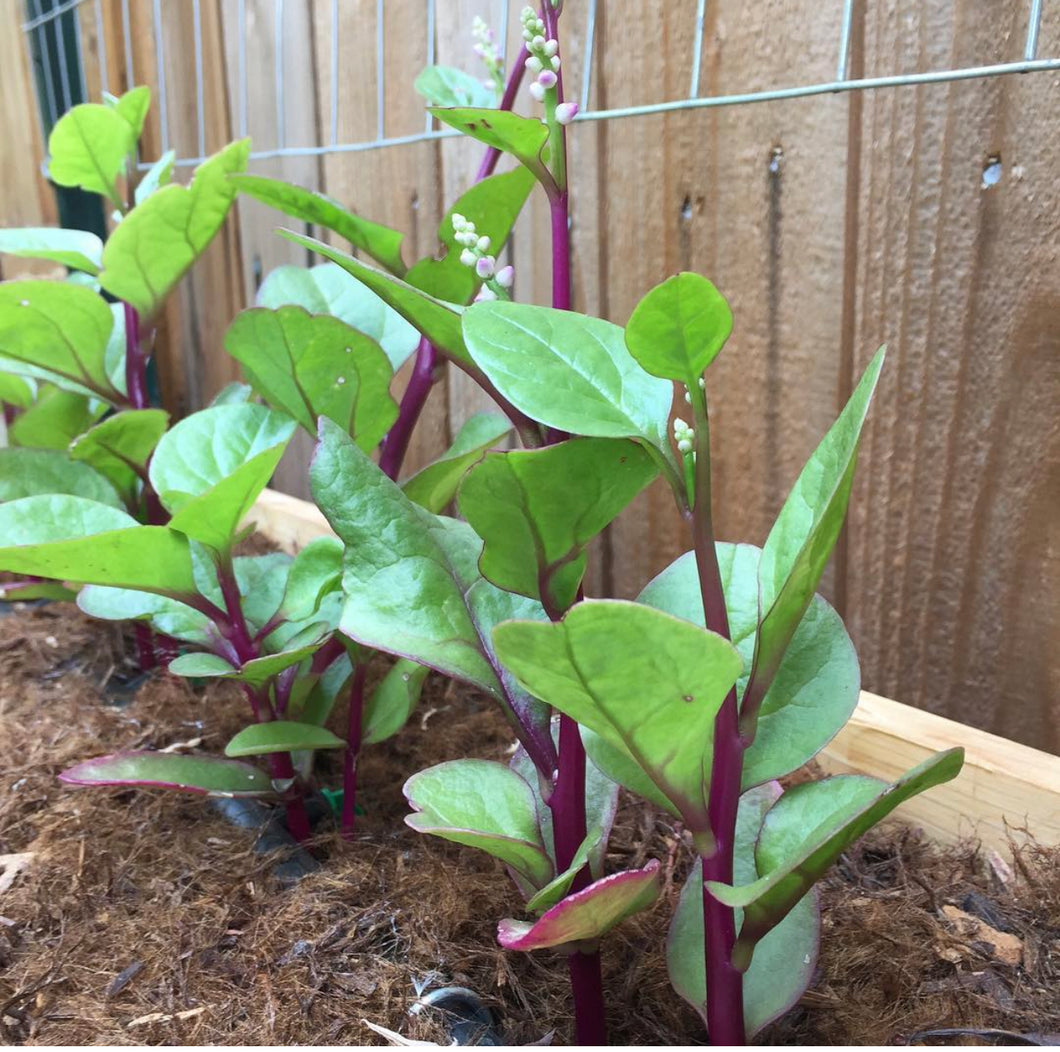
(1006, 794)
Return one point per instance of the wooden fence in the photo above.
(833, 223)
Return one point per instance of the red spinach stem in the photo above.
(353, 751)
(135, 360)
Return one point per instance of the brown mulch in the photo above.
(145, 918)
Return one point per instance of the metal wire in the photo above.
(38, 25)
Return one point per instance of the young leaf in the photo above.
(29, 472)
(437, 320)
(389, 706)
(327, 289)
(256, 672)
(55, 419)
(89, 147)
(783, 965)
(160, 770)
(537, 510)
(816, 688)
(259, 739)
(484, 805)
(568, 371)
(314, 365)
(446, 86)
(120, 446)
(678, 328)
(316, 570)
(77, 249)
(802, 538)
(74, 539)
(493, 205)
(587, 914)
(57, 330)
(434, 486)
(133, 107)
(649, 684)
(380, 242)
(158, 175)
(412, 583)
(156, 243)
(807, 830)
(522, 137)
(558, 887)
(167, 616)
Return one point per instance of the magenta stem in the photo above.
(396, 443)
(135, 360)
(145, 650)
(353, 751)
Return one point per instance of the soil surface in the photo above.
(130, 917)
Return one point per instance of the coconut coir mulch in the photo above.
(136, 917)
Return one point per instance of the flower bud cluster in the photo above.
(486, 49)
(684, 436)
(475, 254)
(688, 394)
(543, 61)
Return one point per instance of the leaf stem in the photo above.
(353, 750)
(724, 982)
(135, 360)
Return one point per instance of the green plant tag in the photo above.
(76, 249)
(259, 739)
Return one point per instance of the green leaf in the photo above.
(434, 486)
(568, 371)
(158, 175)
(316, 571)
(537, 510)
(524, 138)
(16, 390)
(262, 582)
(120, 446)
(77, 249)
(159, 240)
(160, 770)
(493, 205)
(24, 591)
(484, 805)
(784, 964)
(648, 683)
(89, 147)
(59, 328)
(817, 685)
(256, 672)
(55, 419)
(328, 289)
(558, 887)
(314, 365)
(74, 539)
(679, 327)
(802, 538)
(28, 472)
(379, 242)
(446, 86)
(437, 320)
(390, 705)
(167, 616)
(210, 468)
(808, 829)
(133, 107)
(412, 583)
(281, 736)
(588, 914)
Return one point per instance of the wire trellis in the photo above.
(58, 97)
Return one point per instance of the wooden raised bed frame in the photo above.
(1005, 793)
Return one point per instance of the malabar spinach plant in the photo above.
(726, 674)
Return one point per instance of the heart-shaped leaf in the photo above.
(313, 365)
(484, 805)
(160, 770)
(568, 371)
(446, 86)
(59, 331)
(437, 320)
(120, 446)
(537, 510)
(89, 147)
(807, 830)
(412, 583)
(29, 472)
(157, 242)
(260, 739)
(379, 242)
(679, 327)
(434, 486)
(522, 137)
(77, 249)
(816, 688)
(650, 684)
(802, 538)
(587, 914)
(73, 539)
(783, 965)
(328, 289)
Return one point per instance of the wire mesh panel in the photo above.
(56, 28)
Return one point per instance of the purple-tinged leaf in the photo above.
(160, 770)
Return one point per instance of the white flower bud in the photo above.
(547, 79)
(527, 35)
(702, 384)
(459, 222)
(484, 267)
(483, 244)
(537, 91)
(554, 62)
(684, 446)
(538, 43)
(533, 64)
(688, 397)
(551, 48)
(566, 112)
(485, 294)
(506, 277)
(468, 258)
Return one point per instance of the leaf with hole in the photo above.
(159, 770)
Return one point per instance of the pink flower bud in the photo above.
(547, 79)
(484, 267)
(506, 277)
(566, 112)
